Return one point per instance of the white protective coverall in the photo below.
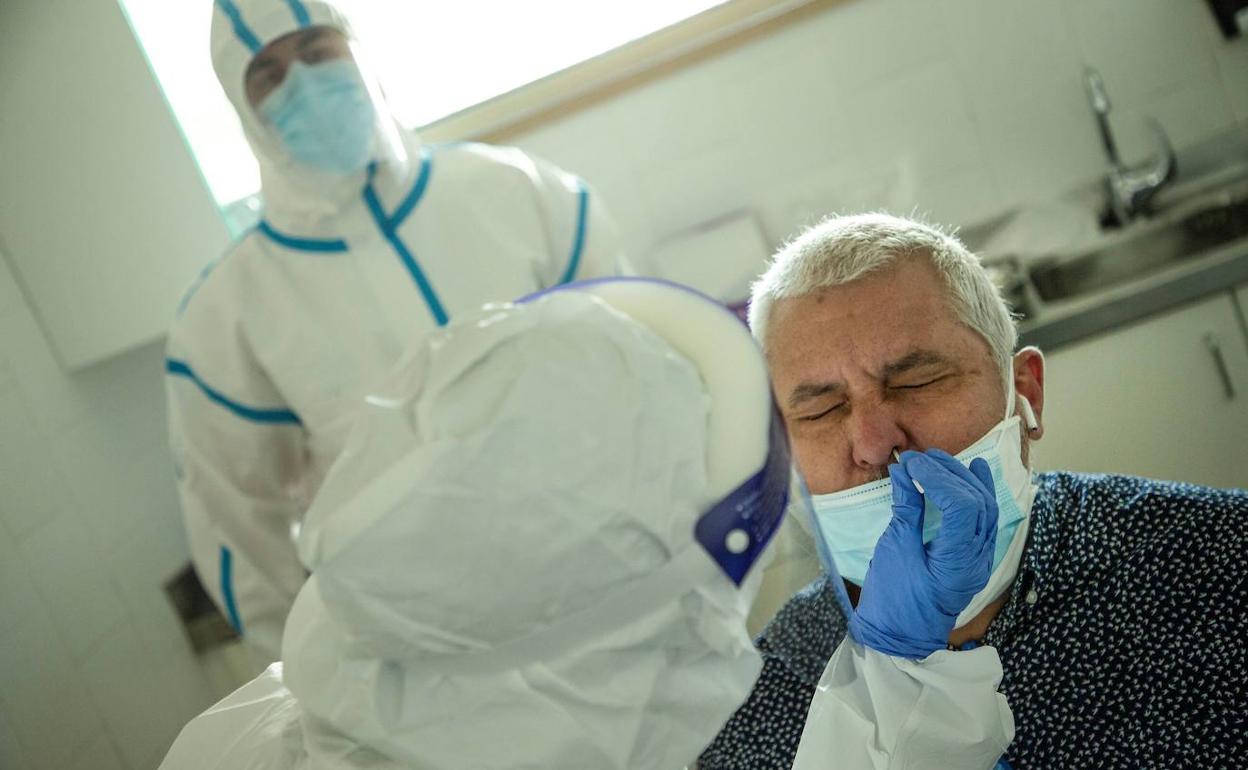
(506, 569)
(275, 348)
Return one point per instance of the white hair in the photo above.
(842, 249)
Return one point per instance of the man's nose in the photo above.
(874, 433)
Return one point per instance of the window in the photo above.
(434, 61)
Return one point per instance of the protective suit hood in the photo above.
(505, 570)
(298, 199)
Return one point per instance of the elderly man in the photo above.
(1117, 604)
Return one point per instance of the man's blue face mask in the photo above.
(848, 523)
(323, 115)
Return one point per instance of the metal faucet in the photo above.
(1129, 187)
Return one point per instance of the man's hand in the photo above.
(913, 592)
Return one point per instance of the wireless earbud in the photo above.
(1029, 415)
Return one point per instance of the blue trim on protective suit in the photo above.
(268, 416)
(227, 590)
(241, 30)
(578, 242)
(389, 228)
(325, 245)
(203, 276)
(417, 192)
(302, 18)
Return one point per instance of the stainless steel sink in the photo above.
(1184, 232)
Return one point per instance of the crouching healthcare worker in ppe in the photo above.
(538, 549)
(370, 239)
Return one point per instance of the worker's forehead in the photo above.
(289, 45)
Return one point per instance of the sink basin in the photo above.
(1184, 233)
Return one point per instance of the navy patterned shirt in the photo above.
(1124, 640)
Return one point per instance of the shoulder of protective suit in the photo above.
(220, 288)
(478, 152)
(486, 162)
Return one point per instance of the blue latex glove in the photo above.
(913, 592)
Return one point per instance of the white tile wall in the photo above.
(131, 697)
(28, 491)
(63, 560)
(19, 601)
(100, 754)
(1143, 46)
(873, 41)
(54, 400)
(94, 669)
(43, 695)
(11, 751)
(958, 109)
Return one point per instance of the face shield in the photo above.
(319, 105)
(801, 509)
(750, 481)
(738, 531)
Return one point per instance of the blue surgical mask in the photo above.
(851, 521)
(323, 115)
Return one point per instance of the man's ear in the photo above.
(1029, 385)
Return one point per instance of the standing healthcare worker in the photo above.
(538, 549)
(369, 241)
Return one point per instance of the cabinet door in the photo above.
(1165, 398)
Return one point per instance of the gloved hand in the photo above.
(912, 592)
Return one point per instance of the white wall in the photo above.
(94, 671)
(86, 138)
(959, 107)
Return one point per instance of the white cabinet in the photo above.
(1165, 398)
(102, 209)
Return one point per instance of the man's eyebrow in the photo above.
(260, 63)
(312, 35)
(808, 391)
(914, 360)
(811, 390)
